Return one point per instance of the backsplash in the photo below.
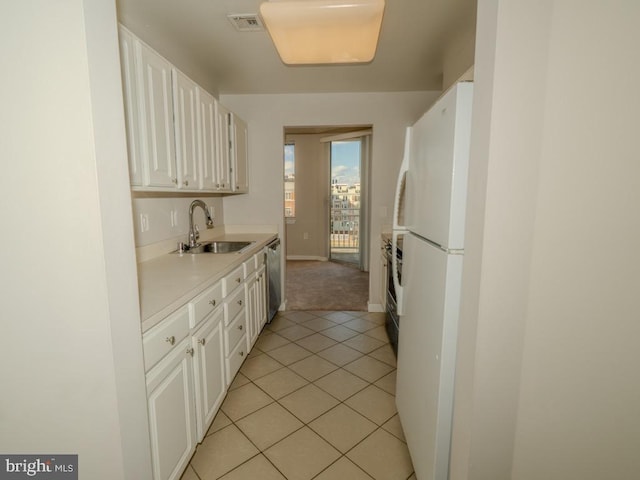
(156, 219)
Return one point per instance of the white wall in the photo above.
(547, 382)
(267, 115)
(312, 199)
(71, 367)
(159, 210)
(458, 57)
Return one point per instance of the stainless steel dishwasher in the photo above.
(273, 276)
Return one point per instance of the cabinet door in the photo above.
(239, 153)
(158, 131)
(209, 368)
(261, 290)
(186, 130)
(171, 405)
(207, 142)
(222, 129)
(131, 104)
(252, 310)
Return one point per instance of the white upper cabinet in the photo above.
(158, 130)
(208, 144)
(224, 167)
(185, 107)
(238, 145)
(179, 136)
(132, 107)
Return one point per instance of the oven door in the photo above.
(392, 320)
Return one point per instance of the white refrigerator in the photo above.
(432, 186)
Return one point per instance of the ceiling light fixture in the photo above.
(324, 31)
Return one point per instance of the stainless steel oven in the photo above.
(392, 321)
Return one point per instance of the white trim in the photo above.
(375, 307)
(307, 257)
(346, 136)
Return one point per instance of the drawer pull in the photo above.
(202, 341)
(240, 302)
(238, 280)
(190, 351)
(212, 303)
(170, 340)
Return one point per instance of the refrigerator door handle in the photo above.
(398, 229)
(404, 167)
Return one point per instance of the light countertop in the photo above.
(169, 281)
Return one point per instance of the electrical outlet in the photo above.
(144, 222)
(212, 211)
(305, 236)
(174, 218)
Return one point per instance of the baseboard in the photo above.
(375, 307)
(307, 257)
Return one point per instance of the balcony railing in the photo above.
(345, 222)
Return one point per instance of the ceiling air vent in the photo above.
(246, 22)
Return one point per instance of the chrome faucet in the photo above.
(194, 234)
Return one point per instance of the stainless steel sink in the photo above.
(217, 247)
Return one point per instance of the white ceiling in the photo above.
(197, 37)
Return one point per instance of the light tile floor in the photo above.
(314, 400)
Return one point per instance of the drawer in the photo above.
(233, 304)
(232, 281)
(249, 266)
(159, 341)
(234, 332)
(205, 303)
(235, 358)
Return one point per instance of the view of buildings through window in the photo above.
(345, 200)
(345, 195)
(289, 181)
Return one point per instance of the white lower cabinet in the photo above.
(235, 319)
(251, 293)
(191, 358)
(172, 420)
(262, 313)
(235, 358)
(209, 369)
(256, 299)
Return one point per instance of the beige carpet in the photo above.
(313, 285)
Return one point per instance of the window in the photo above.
(289, 181)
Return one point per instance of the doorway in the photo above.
(344, 204)
(316, 161)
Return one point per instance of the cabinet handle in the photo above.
(240, 327)
(238, 280)
(240, 302)
(174, 181)
(242, 354)
(202, 341)
(170, 340)
(190, 351)
(212, 303)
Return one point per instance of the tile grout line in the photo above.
(312, 382)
